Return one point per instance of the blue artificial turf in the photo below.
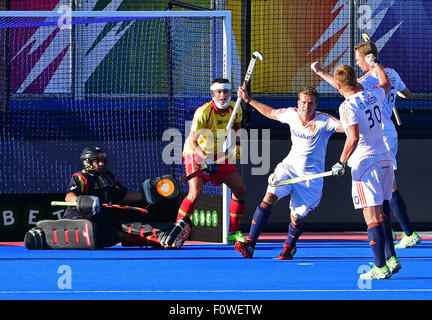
(321, 270)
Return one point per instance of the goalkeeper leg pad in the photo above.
(160, 188)
(168, 235)
(34, 239)
(61, 234)
(139, 234)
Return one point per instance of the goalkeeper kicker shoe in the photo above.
(233, 237)
(287, 253)
(245, 248)
(394, 265)
(175, 236)
(408, 241)
(377, 273)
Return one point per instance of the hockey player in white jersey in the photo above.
(398, 88)
(310, 132)
(371, 163)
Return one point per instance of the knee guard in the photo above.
(61, 234)
(160, 188)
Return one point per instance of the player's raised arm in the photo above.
(384, 81)
(264, 109)
(316, 67)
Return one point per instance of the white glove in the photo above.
(316, 66)
(338, 168)
(272, 180)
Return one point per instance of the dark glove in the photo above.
(88, 205)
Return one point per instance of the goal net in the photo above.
(128, 82)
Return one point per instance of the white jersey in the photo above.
(309, 140)
(370, 80)
(364, 109)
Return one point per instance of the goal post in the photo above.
(80, 78)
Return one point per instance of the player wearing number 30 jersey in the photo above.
(371, 164)
(398, 88)
(365, 109)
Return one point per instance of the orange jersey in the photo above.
(211, 122)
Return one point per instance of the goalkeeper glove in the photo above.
(88, 205)
(338, 168)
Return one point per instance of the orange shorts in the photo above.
(192, 164)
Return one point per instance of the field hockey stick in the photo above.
(228, 155)
(106, 205)
(366, 37)
(275, 183)
(246, 80)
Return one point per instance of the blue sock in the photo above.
(376, 241)
(389, 249)
(397, 205)
(294, 232)
(387, 210)
(260, 218)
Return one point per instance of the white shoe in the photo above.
(394, 265)
(377, 273)
(408, 241)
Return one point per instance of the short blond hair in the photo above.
(308, 91)
(367, 47)
(346, 76)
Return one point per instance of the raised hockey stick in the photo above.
(228, 155)
(274, 183)
(366, 37)
(116, 206)
(256, 55)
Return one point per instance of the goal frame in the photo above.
(227, 53)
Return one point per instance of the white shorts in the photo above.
(305, 196)
(391, 144)
(372, 181)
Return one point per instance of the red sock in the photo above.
(187, 208)
(236, 209)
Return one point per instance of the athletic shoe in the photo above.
(408, 241)
(245, 248)
(377, 273)
(287, 253)
(394, 265)
(233, 237)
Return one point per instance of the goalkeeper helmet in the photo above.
(88, 155)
